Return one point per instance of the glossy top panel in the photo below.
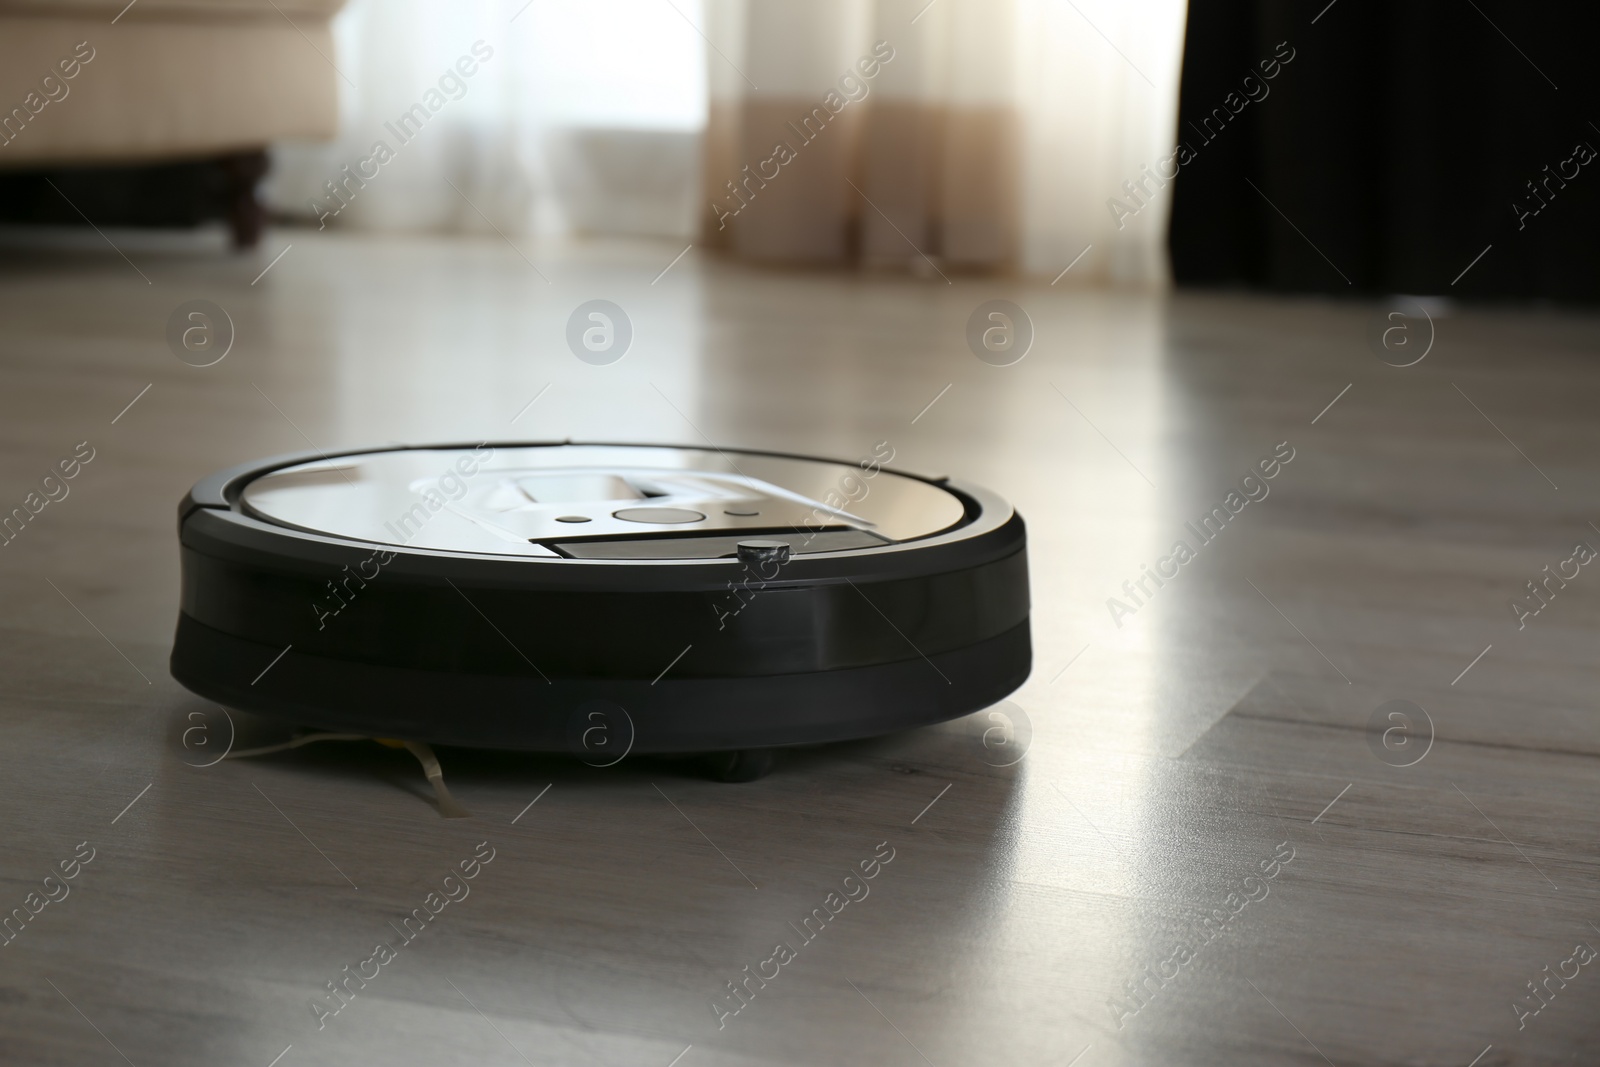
(513, 500)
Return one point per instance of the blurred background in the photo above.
(1012, 136)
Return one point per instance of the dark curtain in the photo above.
(1400, 141)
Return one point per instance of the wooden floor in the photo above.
(1048, 912)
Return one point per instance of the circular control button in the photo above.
(658, 515)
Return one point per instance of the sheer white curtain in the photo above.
(1098, 85)
(585, 115)
(994, 139)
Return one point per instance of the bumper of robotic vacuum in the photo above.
(671, 715)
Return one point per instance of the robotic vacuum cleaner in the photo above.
(600, 599)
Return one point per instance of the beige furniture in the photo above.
(105, 82)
